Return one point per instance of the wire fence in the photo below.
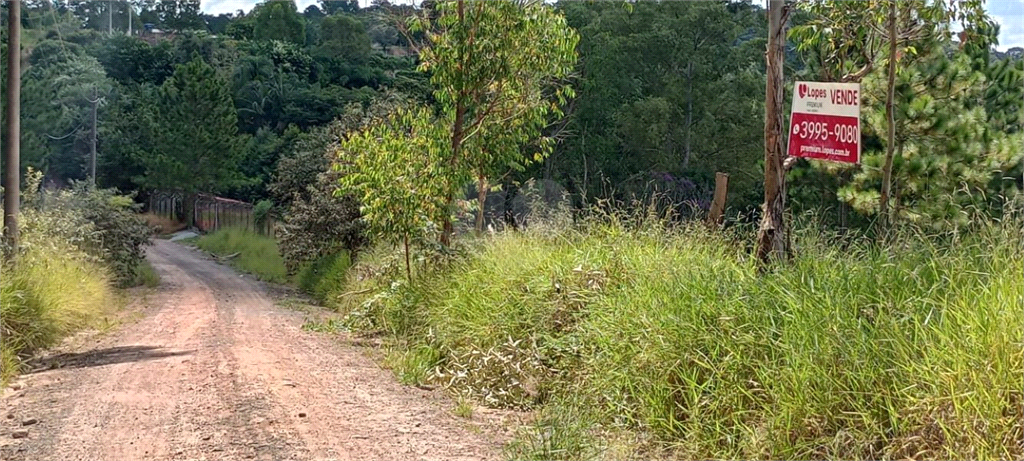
(211, 213)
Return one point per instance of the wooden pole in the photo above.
(12, 157)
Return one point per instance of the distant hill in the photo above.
(1012, 53)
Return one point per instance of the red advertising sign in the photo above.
(825, 122)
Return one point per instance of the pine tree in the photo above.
(197, 143)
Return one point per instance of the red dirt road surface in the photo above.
(214, 370)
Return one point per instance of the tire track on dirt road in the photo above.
(216, 371)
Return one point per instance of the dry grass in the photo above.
(162, 225)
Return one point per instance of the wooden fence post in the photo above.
(718, 204)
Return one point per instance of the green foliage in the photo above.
(854, 351)
(320, 224)
(130, 60)
(344, 38)
(316, 222)
(145, 275)
(197, 149)
(664, 88)
(54, 291)
(948, 155)
(56, 106)
(491, 86)
(262, 211)
(59, 281)
(397, 171)
(278, 20)
(179, 15)
(120, 231)
(325, 277)
(952, 160)
(253, 253)
(96, 222)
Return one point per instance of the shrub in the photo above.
(98, 222)
(320, 225)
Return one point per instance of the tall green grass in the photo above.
(673, 342)
(325, 278)
(52, 291)
(256, 254)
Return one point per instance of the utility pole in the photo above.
(12, 164)
(92, 147)
(110, 17)
(772, 235)
(129, 5)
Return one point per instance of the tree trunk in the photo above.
(689, 114)
(481, 199)
(772, 241)
(408, 267)
(890, 118)
(510, 216)
(448, 230)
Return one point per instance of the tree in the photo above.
(489, 63)
(57, 113)
(949, 156)
(330, 7)
(179, 15)
(772, 235)
(850, 36)
(652, 77)
(197, 148)
(344, 37)
(399, 172)
(279, 20)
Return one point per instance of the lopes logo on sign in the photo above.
(806, 92)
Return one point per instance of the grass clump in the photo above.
(325, 277)
(52, 291)
(146, 275)
(675, 339)
(251, 252)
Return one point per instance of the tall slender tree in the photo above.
(489, 63)
(772, 236)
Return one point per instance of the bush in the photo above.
(851, 351)
(98, 222)
(254, 253)
(316, 222)
(325, 277)
(320, 226)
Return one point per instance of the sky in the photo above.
(1008, 13)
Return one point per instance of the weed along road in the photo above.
(214, 370)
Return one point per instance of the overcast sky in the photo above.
(1008, 13)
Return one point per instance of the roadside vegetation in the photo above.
(77, 247)
(248, 251)
(668, 341)
(483, 206)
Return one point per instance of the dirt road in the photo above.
(216, 371)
